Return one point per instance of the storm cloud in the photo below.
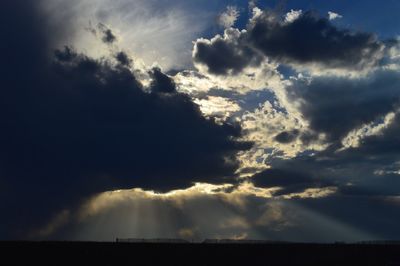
(74, 126)
(290, 181)
(312, 39)
(336, 105)
(226, 54)
(307, 39)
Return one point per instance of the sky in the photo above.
(269, 120)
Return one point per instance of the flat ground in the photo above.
(94, 253)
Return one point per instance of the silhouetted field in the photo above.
(93, 253)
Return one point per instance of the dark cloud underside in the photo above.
(290, 181)
(309, 39)
(336, 105)
(73, 126)
(312, 39)
(225, 55)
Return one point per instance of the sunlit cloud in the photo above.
(187, 214)
(154, 35)
(292, 15)
(228, 18)
(354, 138)
(218, 107)
(333, 15)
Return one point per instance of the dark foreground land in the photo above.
(91, 253)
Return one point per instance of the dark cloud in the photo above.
(107, 34)
(161, 82)
(73, 126)
(348, 218)
(309, 39)
(287, 136)
(336, 105)
(291, 181)
(225, 55)
(312, 39)
(366, 176)
(386, 143)
(123, 59)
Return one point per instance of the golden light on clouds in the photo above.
(219, 107)
(226, 192)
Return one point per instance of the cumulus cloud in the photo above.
(300, 38)
(220, 107)
(228, 18)
(225, 54)
(369, 169)
(356, 136)
(358, 118)
(250, 80)
(161, 82)
(275, 132)
(328, 133)
(382, 145)
(75, 126)
(333, 15)
(292, 15)
(335, 106)
(312, 39)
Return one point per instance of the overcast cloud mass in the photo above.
(175, 119)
